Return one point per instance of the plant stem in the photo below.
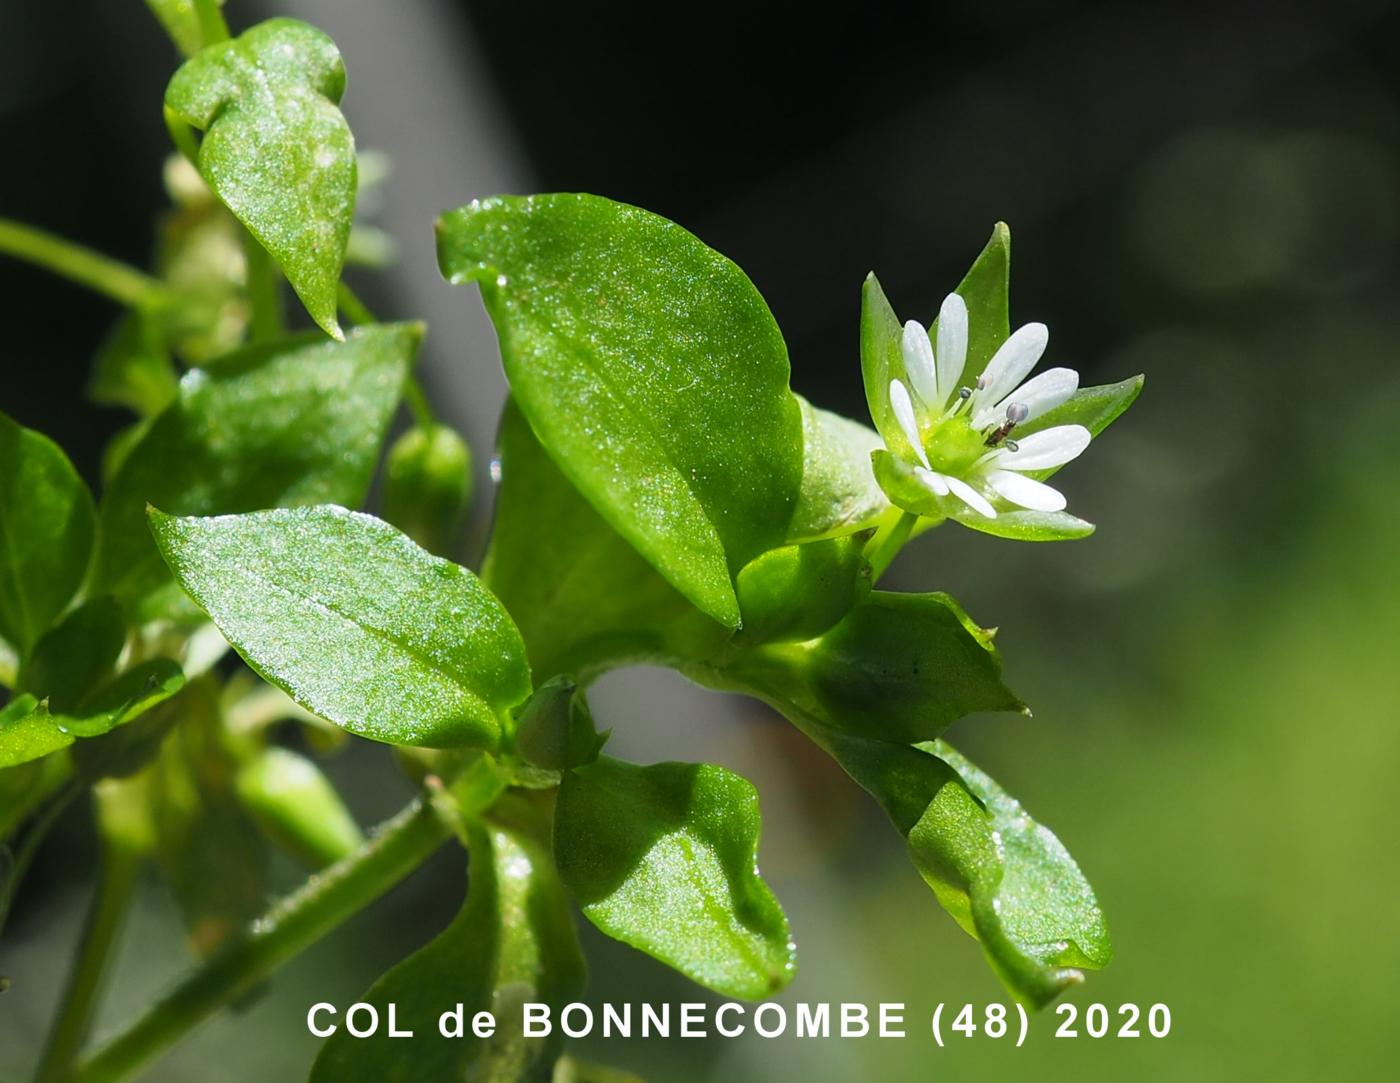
(358, 313)
(116, 883)
(884, 548)
(264, 292)
(112, 278)
(298, 921)
(211, 21)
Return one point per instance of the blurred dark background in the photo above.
(1206, 193)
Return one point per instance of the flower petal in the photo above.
(1045, 449)
(1038, 395)
(971, 497)
(903, 408)
(1027, 492)
(932, 480)
(952, 345)
(918, 364)
(1011, 363)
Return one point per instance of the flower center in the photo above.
(953, 445)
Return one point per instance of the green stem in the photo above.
(264, 291)
(211, 21)
(358, 313)
(294, 924)
(111, 278)
(116, 884)
(33, 839)
(885, 548)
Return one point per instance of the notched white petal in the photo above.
(1012, 362)
(918, 363)
(972, 498)
(1039, 395)
(932, 480)
(952, 345)
(903, 408)
(1027, 492)
(1045, 449)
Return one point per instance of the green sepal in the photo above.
(555, 730)
(839, 494)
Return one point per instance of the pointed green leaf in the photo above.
(839, 493)
(1096, 408)
(288, 423)
(1004, 878)
(583, 597)
(663, 858)
(46, 531)
(652, 372)
(512, 942)
(40, 731)
(899, 667)
(276, 149)
(354, 621)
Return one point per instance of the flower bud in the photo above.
(297, 807)
(428, 485)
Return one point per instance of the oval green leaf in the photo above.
(664, 858)
(354, 621)
(46, 532)
(652, 372)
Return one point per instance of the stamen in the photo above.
(1017, 412)
(1011, 445)
(963, 395)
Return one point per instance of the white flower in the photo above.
(961, 438)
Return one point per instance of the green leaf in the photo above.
(46, 531)
(799, 591)
(355, 622)
(573, 1070)
(38, 732)
(512, 942)
(77, 655)
(297, 807)
(1006, 880)
(664, 858)
(276, 149)
(289, 423)
(900, 667)
(1009, 882)
(839, 493)
(584, 599)
(652, 372)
